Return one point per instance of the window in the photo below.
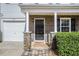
(65, 24)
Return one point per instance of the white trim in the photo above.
(13, 18)
(70, 25)
(47, 10)
(44, 7)
(50, 8)
(48, 5)
(27, 21)
(60, 24)
(66, 18)
(55, 22)
(44, 28)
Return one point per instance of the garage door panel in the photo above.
(13, 31)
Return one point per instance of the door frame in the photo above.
(34, 28)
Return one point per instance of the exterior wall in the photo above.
(49, 22)
(11, 11)
(77, 23)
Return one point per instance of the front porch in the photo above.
(63, 23)
(52, 23)
(42, 22)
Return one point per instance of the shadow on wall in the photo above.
(0, 36)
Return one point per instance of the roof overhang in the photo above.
(54, 6)
(49, 8)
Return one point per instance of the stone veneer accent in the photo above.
(27, 40)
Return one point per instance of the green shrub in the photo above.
(68, 43)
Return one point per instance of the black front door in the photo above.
(39, 29)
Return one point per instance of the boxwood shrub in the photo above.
(68, 43)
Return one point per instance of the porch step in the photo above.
(39, 45)
(38, 52)
(39, 49)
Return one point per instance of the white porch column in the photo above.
(27, 22)
(55, 22)
(27, 33)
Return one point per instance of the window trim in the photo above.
(66, 18)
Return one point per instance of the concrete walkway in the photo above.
(11, 48)
(16, 49)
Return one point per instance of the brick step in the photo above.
(39, 45)
(38, 52)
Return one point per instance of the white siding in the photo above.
(11, 11)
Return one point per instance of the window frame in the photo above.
(66, 18)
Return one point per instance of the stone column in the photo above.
(27, 40)
(27, 33)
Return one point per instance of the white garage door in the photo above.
(13, 31)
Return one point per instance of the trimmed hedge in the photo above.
(68, 43)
